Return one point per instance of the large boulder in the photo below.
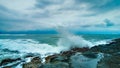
(56, 65)
(35, 63)
(110, 61)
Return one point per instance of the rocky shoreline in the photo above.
(101, 56)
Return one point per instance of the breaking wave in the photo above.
(31, 46)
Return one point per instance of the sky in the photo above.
(75, 15)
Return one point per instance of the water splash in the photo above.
(69, 40)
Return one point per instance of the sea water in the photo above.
(18, 45)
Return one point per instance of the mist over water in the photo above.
(65, 41)
(69, 40)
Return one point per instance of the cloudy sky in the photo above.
(76, 15)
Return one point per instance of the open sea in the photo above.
(18, 45)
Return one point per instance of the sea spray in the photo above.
(69, 40)
(66, 41)
(24, 46)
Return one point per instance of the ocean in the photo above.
(19, 45)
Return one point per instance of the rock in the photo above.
(64, 55)
(90, 54)
(80, 61)
(56, 65)
(111, 61)
(110, 48)
(7, 67)
(35, 63)
(6, 61)
(31, 55)
(73, 51)
(57, 58)
(36, 60)
(49, 59)
(52, 60)
(67, 53)
(84, 49)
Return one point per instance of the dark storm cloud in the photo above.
(9, 20)
(108, 23)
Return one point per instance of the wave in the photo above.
(66, 41)
(32, 46)
(27, 46)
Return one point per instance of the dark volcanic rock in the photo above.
(110, 48)
(56, 65)
(64, 56)
(84, 49)
(36, 60)
(111, 54)
(31, 55)
(112, 61)
(49, 59)
(90, 54)
(7, 67)
(6, 61)
(35, 63)
(73, 51)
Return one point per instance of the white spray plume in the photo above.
(69, 40)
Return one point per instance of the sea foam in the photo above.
(27, 46)
(66, 41)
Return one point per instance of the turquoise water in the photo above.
(19, 45)
(53, 38)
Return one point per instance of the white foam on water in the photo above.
(32, 46)
(65, 42)
(27, 46)
(101, 42)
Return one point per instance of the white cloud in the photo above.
(67, 13)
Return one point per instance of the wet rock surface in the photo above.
(56, 65)
(62, 60)
(85, 58)
(6, 61)
(110, 48)
(111, 61)
(35, 63)
(111, 55)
